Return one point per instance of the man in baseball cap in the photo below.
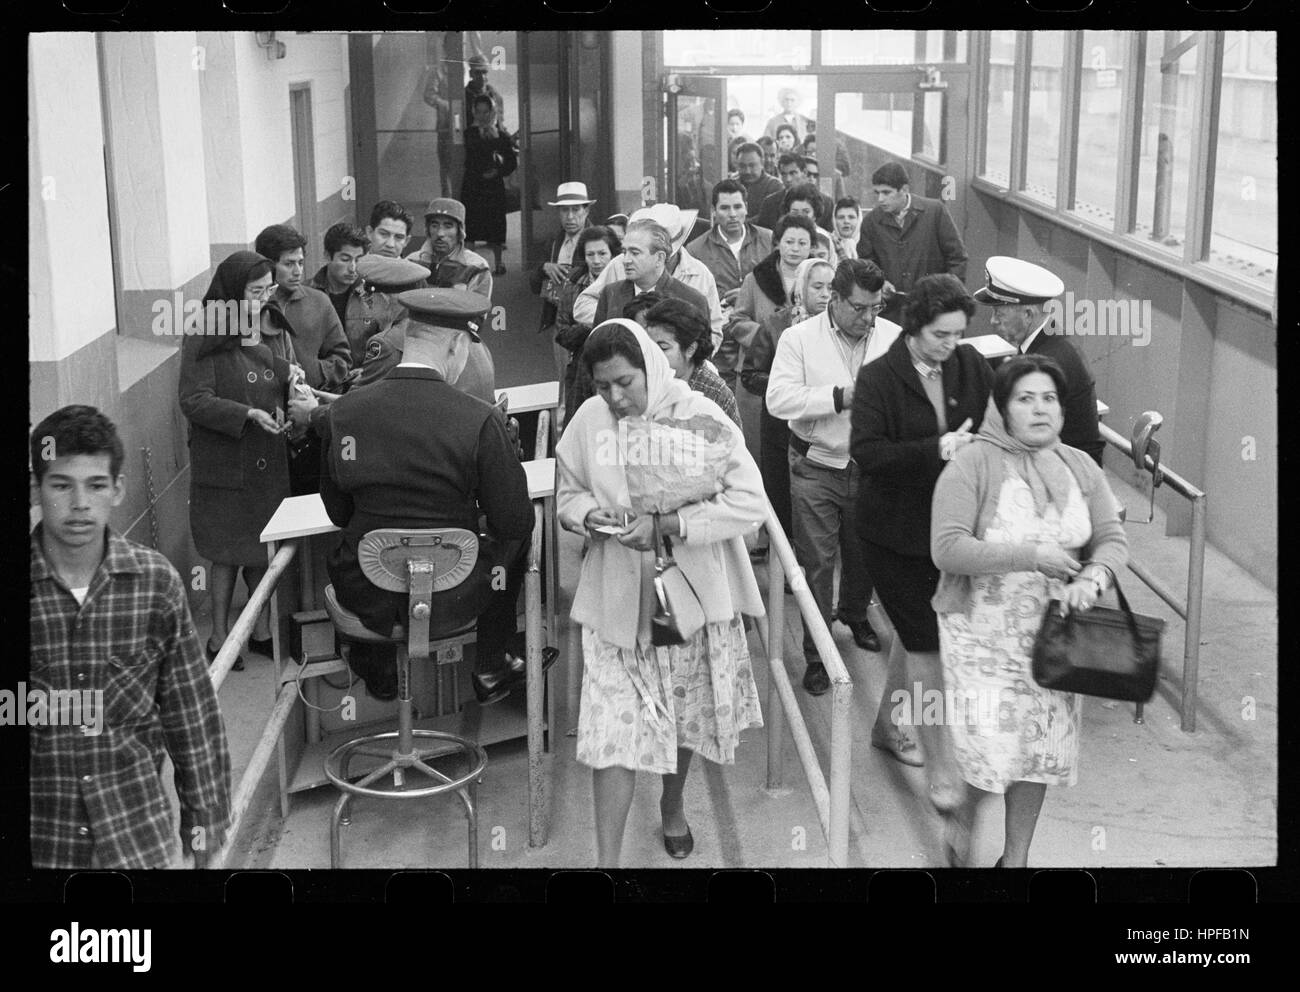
(1020, 294)
(450, 263)
(412, 451)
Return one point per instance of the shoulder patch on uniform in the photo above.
(373, 348)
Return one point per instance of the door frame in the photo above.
(710, 87)
(954, 126)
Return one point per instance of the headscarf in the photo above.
(227, 286)
(663, 388)
(1043, 469)
(801, 276)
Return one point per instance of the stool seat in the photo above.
(349, 625)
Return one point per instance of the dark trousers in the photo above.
(824, 502)
(496, 610)
(774, 464)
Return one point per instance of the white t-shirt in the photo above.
(79, 593)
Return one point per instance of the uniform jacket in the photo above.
(364, 316)
(414, 451)
(928, 243)
(384, 353)
(895, 440)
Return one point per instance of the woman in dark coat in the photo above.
(914, 407)
(234, 394)
(489, 158)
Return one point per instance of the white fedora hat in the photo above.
(571, 194)
(678, 223)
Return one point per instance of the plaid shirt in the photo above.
(98, 801)
(704, 380)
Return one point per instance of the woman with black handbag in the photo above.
(657, 460)
(1018, 520)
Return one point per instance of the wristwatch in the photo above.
(1097, 577)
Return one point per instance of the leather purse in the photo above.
(678, 615)
(1113, 654)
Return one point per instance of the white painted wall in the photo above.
(263, 107)
(156, 135)
(70, 295)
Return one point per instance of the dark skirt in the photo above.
(905, 584)
(485, 210)
(227, 523)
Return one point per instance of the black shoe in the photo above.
(263, 646)
(679, 847)
(863, 636)
(211, 652)
(815, 679)
(492, 687)
(758, 555)
(517, 663)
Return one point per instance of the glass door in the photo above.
(915, 115)
(696, 139)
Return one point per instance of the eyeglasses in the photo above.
(861, 309)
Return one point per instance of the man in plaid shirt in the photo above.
(110, 621)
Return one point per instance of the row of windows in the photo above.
(1128, 114)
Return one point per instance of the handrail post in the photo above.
(841, 757)
(775, 651)
(534, 687)
(1192, 631)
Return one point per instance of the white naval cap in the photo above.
(1014, 281)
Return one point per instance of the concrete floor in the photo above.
(1147, 794)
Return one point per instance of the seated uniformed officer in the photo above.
(413, 451)
(1019, 293)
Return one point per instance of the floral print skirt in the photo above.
(639, 706)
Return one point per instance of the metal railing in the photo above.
(283, 707)
(782, 704)
(1190, 608)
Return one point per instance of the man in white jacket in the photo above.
(811, 385)
(682, 266)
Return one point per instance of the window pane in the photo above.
(869, 48)
(1101, 90)
(789, 49)
(945, 46)
(1244, 228)
(1166, 147)
(1001, 96)
(1044, 135)
(870, 124)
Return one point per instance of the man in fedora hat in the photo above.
(1019, 293)
(681, 265)
(413, 451)
(789, 98)
(444, 254)
(573, 206)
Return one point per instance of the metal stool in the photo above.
(419, 563)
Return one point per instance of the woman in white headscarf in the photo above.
(647, 708)
(1018, 519)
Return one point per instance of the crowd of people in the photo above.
(958, 496)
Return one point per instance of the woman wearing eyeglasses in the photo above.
(914, 408)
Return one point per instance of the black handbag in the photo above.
(1113, 654)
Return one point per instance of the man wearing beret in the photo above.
(444, 254)
(388, 468)
(1018, 293)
